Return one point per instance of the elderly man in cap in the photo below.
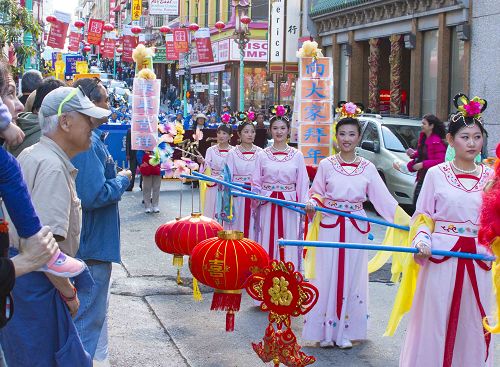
(44, 334)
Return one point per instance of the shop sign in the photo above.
(160, 56)
(224, 50)
(164, 7)
(82, 67)
(276, 30)
(136, 9)
(96, 27)
(255, 50)
(181, 40)
(204, 45)
(71, 61)
(59, 30)
(284, 30)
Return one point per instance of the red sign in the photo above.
(57, 34)
(181, 40)
(96, 27)
(74, 41)
(171, 54)
(204, 46)
(109, 48)
(129, 44)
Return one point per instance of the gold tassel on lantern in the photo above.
(178, 262)
(196, 291)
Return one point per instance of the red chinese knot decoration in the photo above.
(283, 294)
(225, 263)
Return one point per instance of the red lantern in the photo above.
(119, 50)
(245, 19)
(220, 25)
(163, 241)
(165, 29)
(51, 19)
(225, 263)
(136, 30)
(193, 27)
(108, 27)
(87, 48)
(79, 24)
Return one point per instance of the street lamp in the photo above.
(241, 37)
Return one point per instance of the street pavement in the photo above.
(155, 322)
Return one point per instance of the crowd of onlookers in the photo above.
(61, 189)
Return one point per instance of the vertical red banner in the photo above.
(109, 48)
(57, 34)
(95, 29)
(170, 49)
(204, 45)
(129, 43)
(74, 41)
(181, 39)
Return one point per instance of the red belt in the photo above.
(341, 263)
(281, 234)
(464, 244)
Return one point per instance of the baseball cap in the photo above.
(67, 99)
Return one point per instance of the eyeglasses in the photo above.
(97, 81)
(68, 98)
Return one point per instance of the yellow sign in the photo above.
(60, 66)
(82, 67)
(82, 76)
(136, 9)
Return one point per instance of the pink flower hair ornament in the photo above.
(469, 109)
(251, 115)
(349, 109)
(280, 111)
(226, 118)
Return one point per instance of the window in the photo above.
(229, 9)
(457, 67)
(260, 10)
(206, 14)
(371, 133)
(429, 72)
(398, 138)
(217, 10)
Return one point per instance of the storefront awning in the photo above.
(205, 69)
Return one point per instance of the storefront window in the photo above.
(343, 77)
(213, 89)
(457, 67)
(256, 88)
(226, 88)
(429, 72)
(287, 91)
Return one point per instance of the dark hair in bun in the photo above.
(348, 121)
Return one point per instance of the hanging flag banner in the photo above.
(204, 45)
(181, 40)
(94, 35)
(164, 7)
(136, 9)
(59, 30)
(109, 48)
(75, 37)
(314, 94)
(129, 43)
(170, 49)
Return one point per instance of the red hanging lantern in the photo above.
(245, 20)
(225, 263)
(108, 27)
(220, 25)
(79, 24)
(87, 48)
(51, 19)
(165, 29)
(163, 241)
(136, 30)
(119, 50)
(193, 27)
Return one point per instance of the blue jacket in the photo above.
(100, 190)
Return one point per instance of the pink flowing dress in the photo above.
(280, 175)
(241, 166)
(215, 158)
(342, 275)
(453, 295)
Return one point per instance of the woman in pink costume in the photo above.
(452, 295)
(213, 164)
(343, 182)
(241, 164)
(280, 172)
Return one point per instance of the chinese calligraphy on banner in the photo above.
(145, 110)
(95, 30)
(181, 39)
(136, 9)
(170, 49)
(314, 126)
(129, 43)
(203, 45)
(75, 37)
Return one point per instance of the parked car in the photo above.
(384, 141)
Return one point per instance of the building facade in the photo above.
(397, 56)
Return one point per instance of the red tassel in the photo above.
(230, 321)
(226, 301)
